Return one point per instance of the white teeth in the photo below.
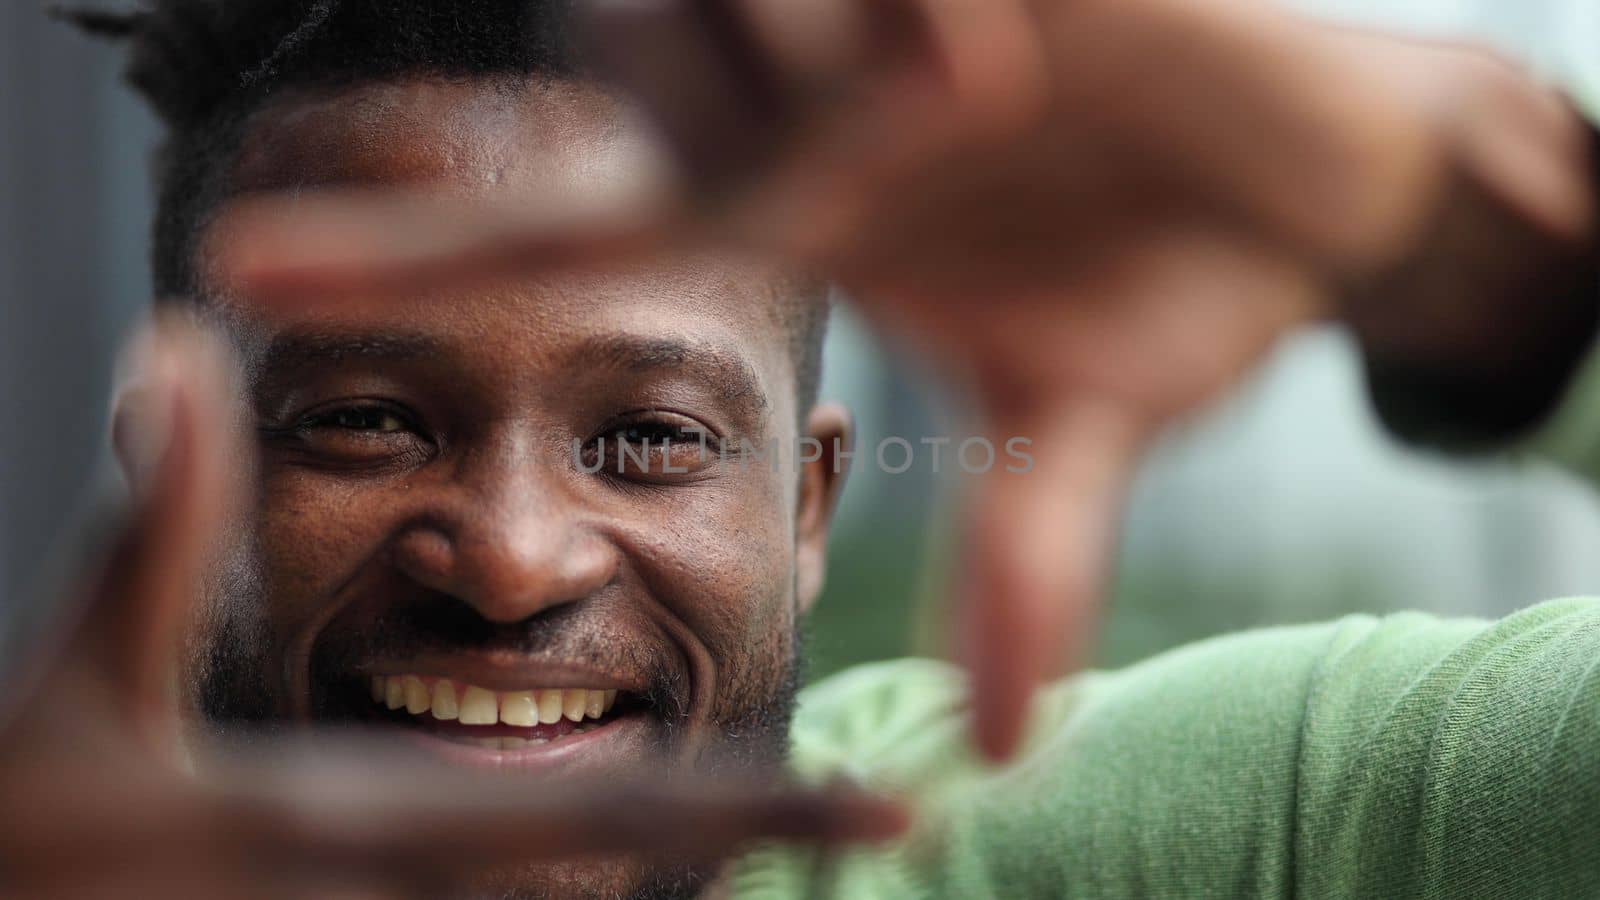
(418, 697)
(549, 707)
(444, 700)
(479, 707)
(394, 693)
(573, 704)
(473, 705)
(518, 709)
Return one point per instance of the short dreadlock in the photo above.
(206, 65)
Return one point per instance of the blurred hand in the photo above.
(96, 799)
(1096, 215)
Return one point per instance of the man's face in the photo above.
(443, 544)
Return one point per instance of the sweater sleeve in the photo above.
(1401, 757)
(1467, 409)
(1570, 434)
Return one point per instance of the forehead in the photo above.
(507, 137)
(473, 134)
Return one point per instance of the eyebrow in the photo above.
(298, 349)
(726, 371)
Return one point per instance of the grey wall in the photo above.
(72, 274)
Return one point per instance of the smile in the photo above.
(494, 720)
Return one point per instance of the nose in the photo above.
(511, 545)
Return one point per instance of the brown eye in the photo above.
(366, 418)
(661, 433)
(355, 435)
(657, 448)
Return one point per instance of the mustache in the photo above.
(444, 625)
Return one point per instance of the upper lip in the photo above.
(507, 672)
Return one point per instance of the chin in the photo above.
(546, 712)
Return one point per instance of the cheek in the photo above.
(278, 567)
(722, 561)
(312, 536)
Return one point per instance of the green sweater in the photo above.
(1401, 757)
(1385, 758)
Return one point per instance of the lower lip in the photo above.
(598, 748)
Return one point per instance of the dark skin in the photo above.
(420, 508)
(101, 800)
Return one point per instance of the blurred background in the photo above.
(1285, 505)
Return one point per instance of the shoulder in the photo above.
(1224, 712)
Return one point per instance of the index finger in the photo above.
(442, 822)
(350, 245)
(360, 807)
(1037, 549)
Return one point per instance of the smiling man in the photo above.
(485, 520)
(486, 517)
(469, 533)
(429, 552)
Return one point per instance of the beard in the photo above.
(236, 690)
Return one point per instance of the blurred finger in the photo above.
(715, 95)
(710, 74)
(374, 244)
(1037, 547)
(348, 806)
(133, 627)
(359, 809)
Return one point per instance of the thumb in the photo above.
(1038, 541)
(176, 438)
